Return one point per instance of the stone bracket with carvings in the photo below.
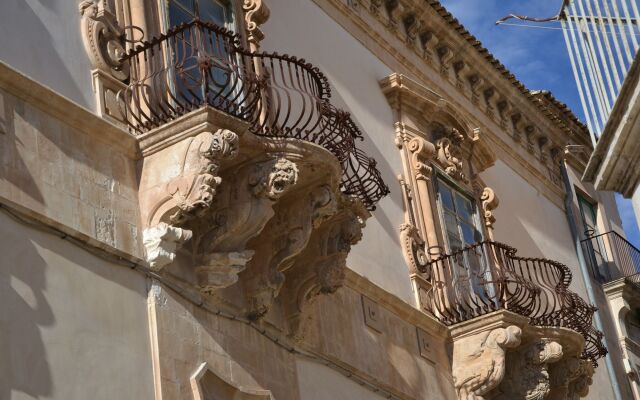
(501, 356)
(236, 216)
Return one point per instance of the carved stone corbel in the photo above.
(582, 380)
(530, 135)
(394, 10)
(411, 27)
(241, 213)
(161, 243)
(194, 191)
(320, 268)
(516, 119)
(475, 83)
(256, 13)
(445, 54)
(281, 240)
(504, 109)
(460, 68)
(479, 361)
(429, 41)
(527, 375)
(489, 203)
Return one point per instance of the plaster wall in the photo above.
(354, 73)
(318, 382)
(72, 326)
(42, 39)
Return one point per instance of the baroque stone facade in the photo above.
(215, 223)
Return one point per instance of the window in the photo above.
(460, 222)
(179, 11)
(459, 217)
(201, 64)
(596, 252)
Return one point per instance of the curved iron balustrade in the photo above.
(200, 64)
(488, 276)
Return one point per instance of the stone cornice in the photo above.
(67, 111)
(496, 113)
(611, 166)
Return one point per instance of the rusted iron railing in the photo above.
(200, 64)
(488, 276)
(611, 257)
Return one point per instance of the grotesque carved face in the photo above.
(284, 173)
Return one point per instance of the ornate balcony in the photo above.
(252, 189)
(488, 276)
(200, 64)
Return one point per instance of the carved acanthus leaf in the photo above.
(195, 189)
(103, 38)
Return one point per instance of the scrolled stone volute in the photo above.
(103, 38)
(479, 361)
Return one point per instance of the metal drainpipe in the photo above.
(568, 203)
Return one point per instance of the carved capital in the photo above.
(195, 189)
(161, 243)
(256, 13)
(479, 361)
(104, 39)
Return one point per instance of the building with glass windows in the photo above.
(275, 199)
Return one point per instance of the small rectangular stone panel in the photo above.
(372, 317)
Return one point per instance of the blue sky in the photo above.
(537, 56)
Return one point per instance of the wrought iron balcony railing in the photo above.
(200, 64)
(488, 276)
(611, 257)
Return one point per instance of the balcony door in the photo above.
(201, 69)
(461, 225)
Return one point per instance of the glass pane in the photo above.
(464, 208)
(446, 197)
(212, 11)
(179, 12)
(451, 224)
(470, 234)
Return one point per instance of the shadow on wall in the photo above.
(24, 366)
(389, 175)
(36, 46)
